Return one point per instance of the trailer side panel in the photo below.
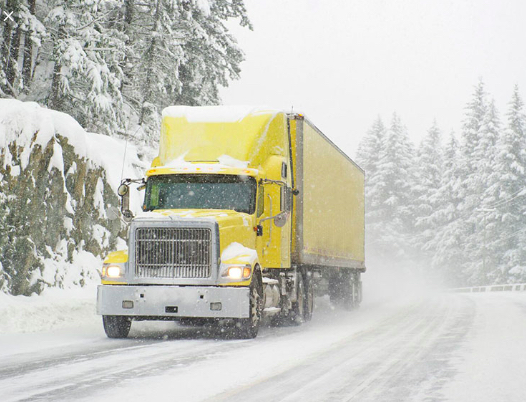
(330, 209)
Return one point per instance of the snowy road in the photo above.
(445, 347)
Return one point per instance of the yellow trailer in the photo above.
(246, 211)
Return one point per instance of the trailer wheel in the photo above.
(336, 289)
(297, 314)
(349, 302)
(309, 299)
(248, 328)
(352, 293)
(345, 289)
(116, 326)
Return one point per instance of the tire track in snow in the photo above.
(387, 363)
(79, 374)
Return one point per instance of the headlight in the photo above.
(238, 272)
(113, 271)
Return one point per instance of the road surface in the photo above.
(435, 347)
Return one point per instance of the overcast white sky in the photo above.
(344, 62)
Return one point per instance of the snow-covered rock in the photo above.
(57, 183)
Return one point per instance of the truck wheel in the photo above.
(297, 314)
(116, 326)
(309, 300)
(247, 328)
(359, 290)
(336, 289)
(349, 302)
(352, 292)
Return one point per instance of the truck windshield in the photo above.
(194, 191)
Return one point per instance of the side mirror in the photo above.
(124, 193)
(281, 219)
(123, 189)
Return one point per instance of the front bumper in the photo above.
(173, 301)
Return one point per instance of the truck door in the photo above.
(286, 221)
(274, 244)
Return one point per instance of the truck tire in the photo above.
(345, 289)
(116, 326)
(349, 296)
(352, 295)
(297, 314)
(309, 299)
(336, 289)
(248, 328)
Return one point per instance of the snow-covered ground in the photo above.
(421, 346)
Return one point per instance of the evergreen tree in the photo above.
(367, 156)
(370, 146)
(391, 188)
(112, 63)
(428, 179)
(181, 53)
(505, 200)
(473, 185)
(483, 259)
(86, 55)
(11, 34)
(446, 245)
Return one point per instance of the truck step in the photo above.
(270, 281)
(271, 310)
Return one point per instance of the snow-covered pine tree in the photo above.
(483, 259)
(21, 39)
(370, 146)
(428, 178)
(86, 63)
(112, 63)
(506, 228)
(11, 34)
(474, 184)
(391, 186)
(446, 245)
(179, 52)
(367, 156)
(213, 57)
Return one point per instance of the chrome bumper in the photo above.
(173, 301)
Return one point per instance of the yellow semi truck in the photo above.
(248, 212)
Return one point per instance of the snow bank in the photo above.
(53, 309)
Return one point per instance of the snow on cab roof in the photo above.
(216, 114)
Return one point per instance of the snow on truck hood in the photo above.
(240, 253)
(225, 164)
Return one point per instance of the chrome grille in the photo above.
(173, 252)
